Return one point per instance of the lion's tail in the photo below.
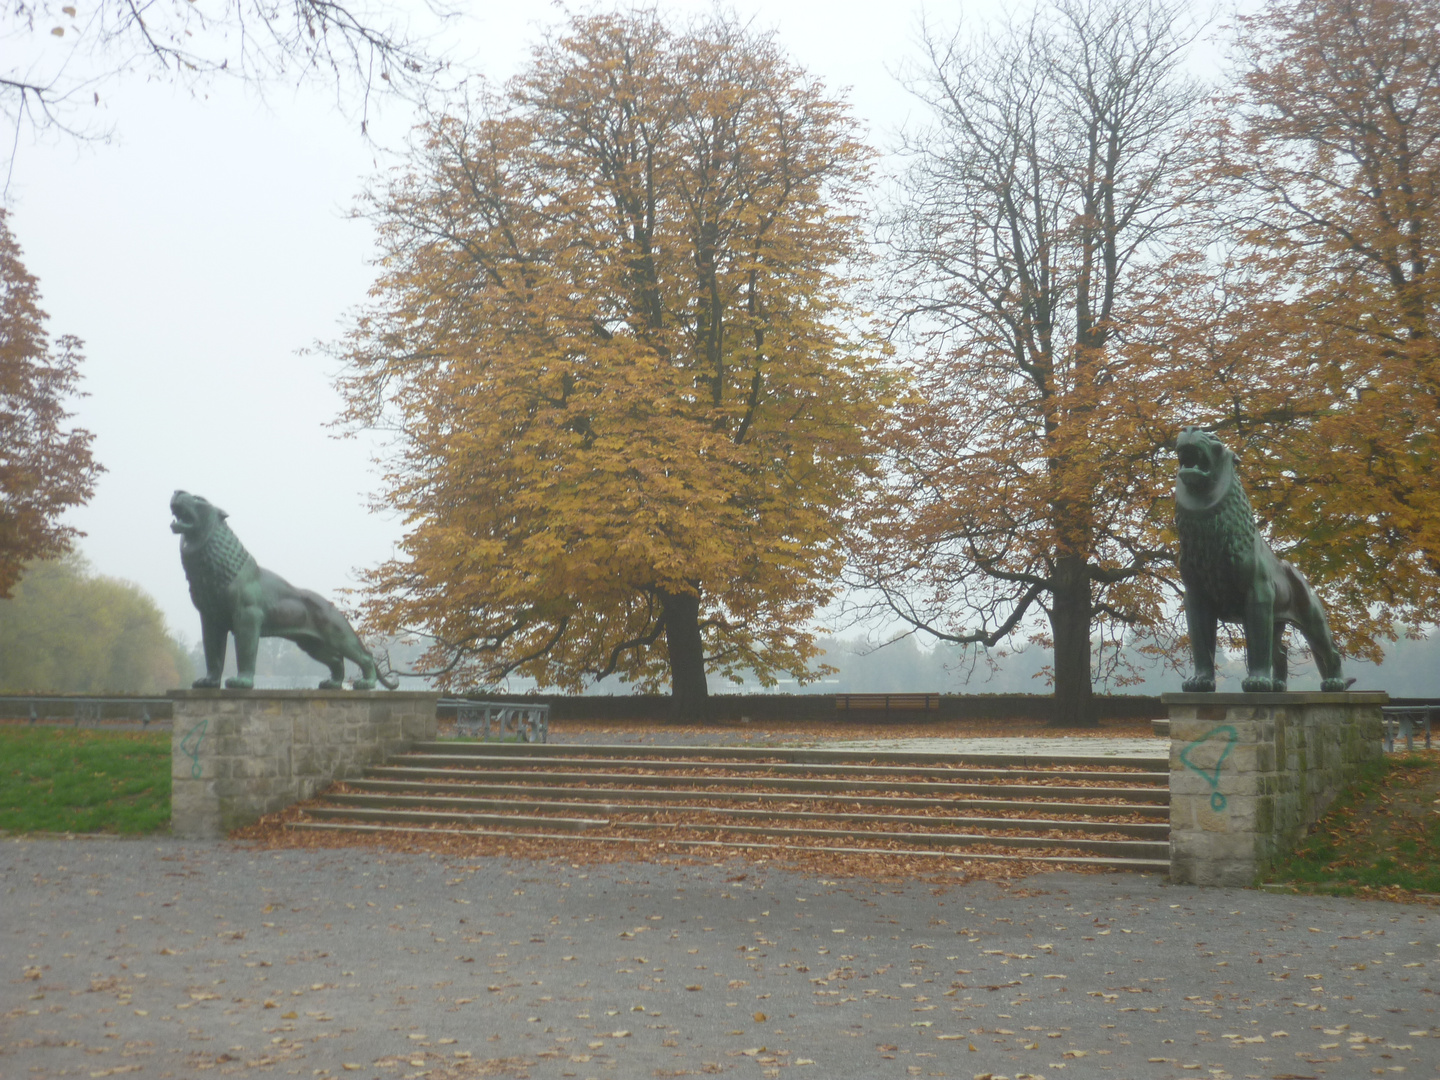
(384, 672)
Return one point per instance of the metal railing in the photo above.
(477, 719)
(86, 709)
(1402, 720)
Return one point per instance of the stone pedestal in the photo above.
(238, 754)
(1249, 774)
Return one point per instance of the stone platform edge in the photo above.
(1250, 773)
(236, 755)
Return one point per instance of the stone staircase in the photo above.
(1058, 809)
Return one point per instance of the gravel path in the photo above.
(160, 958)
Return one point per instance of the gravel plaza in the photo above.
(160, 958)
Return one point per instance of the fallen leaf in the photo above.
(760, 1018)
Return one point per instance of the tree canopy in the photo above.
(630, 400)
(66, 629)
(45, 467)
(61, 53)
(1036, 275)
(1330, 155)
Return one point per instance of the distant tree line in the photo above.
(66, 629)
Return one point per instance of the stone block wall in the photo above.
(239, 754)
(1250, 773)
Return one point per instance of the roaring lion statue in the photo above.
(234, 595)
(1231, 575)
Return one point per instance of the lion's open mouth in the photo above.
(182, 514)
(1195, 467)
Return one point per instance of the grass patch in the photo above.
(79, 780)
(1381, 837)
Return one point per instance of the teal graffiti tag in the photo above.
(190, 746)
(1212, 774)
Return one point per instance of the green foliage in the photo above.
(1381, 835)
(64, 780)
(66, 629)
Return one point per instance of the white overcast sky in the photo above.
(208, 243)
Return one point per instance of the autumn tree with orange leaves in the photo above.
(1331, 157)
(631, 409)
(45, 466)
(1039, 282)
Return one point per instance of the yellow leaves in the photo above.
(600, 406)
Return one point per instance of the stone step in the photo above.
(1127, 848)
(1059, 861)
(804, 755)
(1150, 830)
(1061, 809)
(427, 759)
(1144, 794)
(608, 795)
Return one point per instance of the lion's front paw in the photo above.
(240, 682)
(364, 684)
(1260, 684)
(331, 684)
(205, 683)
(1199, 684)
(1335, 686)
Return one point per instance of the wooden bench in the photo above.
(1406, 718)
(475, 719)
(887, 702)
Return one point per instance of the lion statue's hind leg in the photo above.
(360, 656)
(1308, 616)
(319, 650)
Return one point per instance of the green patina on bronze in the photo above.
(1231, 575)
(235, 595)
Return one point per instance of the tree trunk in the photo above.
(689, 695)
(1070, 613)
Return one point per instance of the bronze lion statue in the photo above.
(236, 596)
(1231, 575)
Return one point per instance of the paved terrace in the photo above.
(158, 959)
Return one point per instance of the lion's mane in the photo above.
(214, 563)
(1215, 543)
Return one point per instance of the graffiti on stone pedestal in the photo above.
(190, 746)
(1224, 737)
